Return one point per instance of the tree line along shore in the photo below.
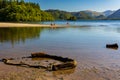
(19, 10)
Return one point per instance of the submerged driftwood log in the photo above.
(66, 63)
(112, 46)
(8, 62)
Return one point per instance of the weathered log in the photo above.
(8, 62)
(44, 55)
(5, 60)
(113, 46)
(67, 65)
(66, 62)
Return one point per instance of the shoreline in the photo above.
(12, 24)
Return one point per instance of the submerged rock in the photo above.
(113, 46)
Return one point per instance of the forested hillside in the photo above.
(18, 10)
(60, 15)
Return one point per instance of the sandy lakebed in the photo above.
(83, 72)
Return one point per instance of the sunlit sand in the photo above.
(7, 24)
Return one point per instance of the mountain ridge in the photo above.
(108, 12)
(115, 15)
(85, 14)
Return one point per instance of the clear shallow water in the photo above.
(84, 43)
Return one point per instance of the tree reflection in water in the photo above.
(18, 34)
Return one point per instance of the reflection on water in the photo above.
(18, 34)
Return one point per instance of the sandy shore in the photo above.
(7, 24)
(84, 71)
(8, 72)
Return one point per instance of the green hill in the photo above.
(15, 10)
(59, 15)
(83, 15)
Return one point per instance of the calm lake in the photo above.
(85, 41)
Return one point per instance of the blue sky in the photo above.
(78, 5)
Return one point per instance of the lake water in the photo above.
(85, 43)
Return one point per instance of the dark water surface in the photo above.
(85, 43)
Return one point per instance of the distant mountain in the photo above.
(101, 17)
(81, 15)
(93, 13)
(115, 15)
(88, 14)
(63, 15)
(108, 12)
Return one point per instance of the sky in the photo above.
(78, 5)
